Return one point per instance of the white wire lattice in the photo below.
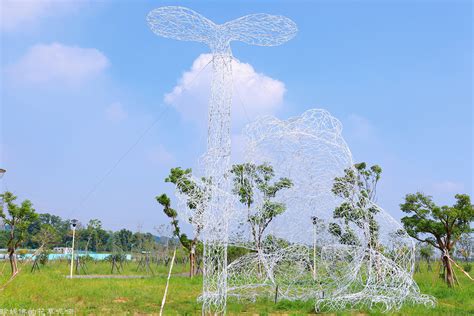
(296, 256)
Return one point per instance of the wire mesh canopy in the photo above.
(187, 25)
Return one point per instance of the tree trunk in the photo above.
(11, 251)
(13, 261)
(190, 264)
(448, 271)
(192, 259)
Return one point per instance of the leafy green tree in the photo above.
(4, 236)
(250, 178)
(114, 244)
(464, 246)
(196, 197)
(56, 223)
(18, 219)
(124, 237)
(358, 188)
(61, 226)
(188, 244)
(426, 252)
(97, 237)
(138, 241)
(439, 226)
(181, 179)
(195, 201)
(146, 241)
(47, 236)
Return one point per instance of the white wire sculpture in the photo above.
(302, 260)
(293, 256)
(256, 29)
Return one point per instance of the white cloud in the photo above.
(259, 93)
(448, 187)
(161, 156)
(115, 113)
(58, 63)
(16, 14)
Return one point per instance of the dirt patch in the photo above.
(121, 300)
(446, 304)
(108, 276)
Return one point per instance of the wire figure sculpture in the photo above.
(256, 29)
(302, 259)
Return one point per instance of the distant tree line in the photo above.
(447, 228)
(90, 237)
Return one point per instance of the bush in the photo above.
(43, 258)
(467, 267)
(234, 253)
(87, 258)
(116, 257)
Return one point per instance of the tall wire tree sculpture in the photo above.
(256, 29)
(293, 256)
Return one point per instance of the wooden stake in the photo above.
(36, 253)
(467, 274)
(276, 294)
(167, 283)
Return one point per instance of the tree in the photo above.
(426, 252)
(46, 236)
(464, 246)
(114, 244)
(142, 242)
(187, 243)
(18, 219)
(97, 237)
(125, 239)
(250, 178)
(438, 226)
(62, 227)
(181, 178)
(4, 236)
(55, 222)
(358, 188)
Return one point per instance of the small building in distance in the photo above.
(63, 250)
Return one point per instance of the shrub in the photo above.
(43, 258)
(467, 267)
(87, 258)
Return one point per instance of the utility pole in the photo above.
(2, 172)
(315, 222)
(73, 224)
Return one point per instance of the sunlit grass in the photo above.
(49, 288)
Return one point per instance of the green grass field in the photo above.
(49, 289)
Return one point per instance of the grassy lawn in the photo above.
(50, 289)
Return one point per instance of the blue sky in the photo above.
(82, 80)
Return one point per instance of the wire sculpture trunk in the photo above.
(216, 166)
